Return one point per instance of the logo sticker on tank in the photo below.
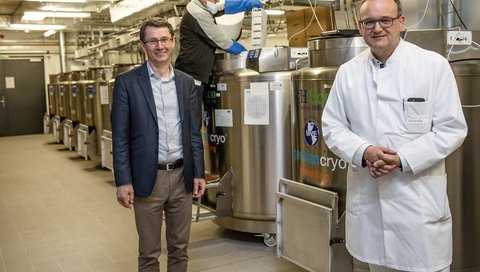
(206, 118)
(311, 133)
(312, 99)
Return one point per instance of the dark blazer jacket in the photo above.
(135, 130)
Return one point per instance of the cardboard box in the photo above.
(297, 21)
(324, 17)
(298, 42)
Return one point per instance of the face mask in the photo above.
(213, 8)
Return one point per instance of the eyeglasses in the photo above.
(154, 42)
(384, 22)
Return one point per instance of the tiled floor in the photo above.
(58, 212)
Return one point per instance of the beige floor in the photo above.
(58, 213)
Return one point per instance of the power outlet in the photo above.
(459, 37)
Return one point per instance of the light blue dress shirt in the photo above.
(168, 115)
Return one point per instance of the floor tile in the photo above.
(58, 213)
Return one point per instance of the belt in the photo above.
(171, 165)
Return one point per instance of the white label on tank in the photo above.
(104, 95)
(221, 87)
(10, 82)
(298, 52)
(223, 118)
(256, 104)
(276, 86)
(459, 37)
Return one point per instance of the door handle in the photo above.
(2, 101)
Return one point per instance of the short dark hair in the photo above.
(399, 6)
(155, 22)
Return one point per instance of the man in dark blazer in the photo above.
(157, 148)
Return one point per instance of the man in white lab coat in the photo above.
(394, 113)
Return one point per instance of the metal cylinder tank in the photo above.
(52, 94)
(77, 87)
(334, 51)
(252, 127)
(63, 109)
(463, 170)
(224, 63)
(106, 102)
(106, 92)
(93, 109)
(313, 163)
(94, 75)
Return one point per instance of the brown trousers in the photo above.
(168, 196)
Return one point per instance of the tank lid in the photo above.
(323, 43)
(66, 76)
(78, 75)
(339, 33)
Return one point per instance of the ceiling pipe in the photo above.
(449, 17)
(63, 58)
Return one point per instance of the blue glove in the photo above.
(236, 48)
(236, 6)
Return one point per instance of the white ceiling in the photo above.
(11, 11)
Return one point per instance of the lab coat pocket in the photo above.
(433, 194)
(418, 116)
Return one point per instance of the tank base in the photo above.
(245, 225)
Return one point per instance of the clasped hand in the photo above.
(381, 160)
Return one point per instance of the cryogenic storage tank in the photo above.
(106, 91)
(463, 170)
(70, 126)
(335, 50)
(52, 97)
(93, 109)
(77, 88)
(89, 131)
(252, 123)
(62, 100)
(94, 76)
(224, 62)
(106, 101)
(313, 163)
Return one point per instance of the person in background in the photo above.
(200, 36)
(157, 148)
(394, 114)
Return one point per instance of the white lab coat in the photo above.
(401, 220)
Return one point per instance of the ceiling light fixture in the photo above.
(59, 1)
(49, 33)
(36, 27)
(128, 7)
(57, 8)
(40, 15)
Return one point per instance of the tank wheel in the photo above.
(270, 240)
